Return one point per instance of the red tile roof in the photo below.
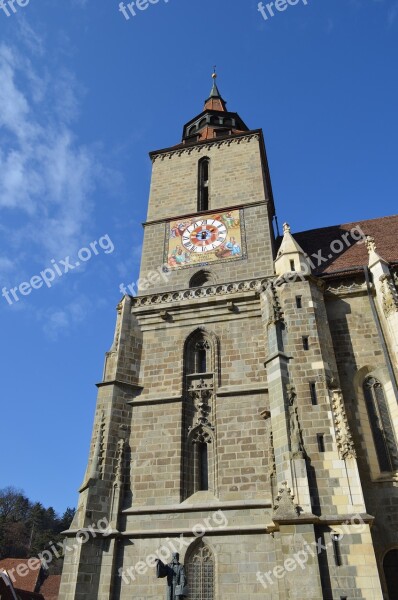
(28, 577)
(50, 587)
(355, 255)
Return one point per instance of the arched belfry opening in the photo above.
(199, 436)
(201, 278)
(200, 569)
(204, 184)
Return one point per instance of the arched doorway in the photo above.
(390, 566)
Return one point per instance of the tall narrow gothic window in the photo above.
(198, 448)
(197, 356)
(200, 573)
(204, 179)
(380, 423)
(201, 358)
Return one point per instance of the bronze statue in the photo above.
(176, 579)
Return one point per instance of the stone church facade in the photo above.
(248, 415)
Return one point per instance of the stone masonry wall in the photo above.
(359, 352)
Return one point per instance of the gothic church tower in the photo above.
(220, 427)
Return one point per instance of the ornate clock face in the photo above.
(205, 239)
(204, 235)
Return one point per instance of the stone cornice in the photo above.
(250, 285)
(235, 139)
(154, 400)
(132, 386)
(242, 390)
(198, 507)
(278, 354)
(186, 532)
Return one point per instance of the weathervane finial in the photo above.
(214, 74)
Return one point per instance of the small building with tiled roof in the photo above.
(25, 573)
(9, 591)
(29, 579)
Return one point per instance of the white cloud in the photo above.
(47, 176)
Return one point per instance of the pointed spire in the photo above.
(215, 100)
(214, 121)
(376, 263)
(291, 256)
(215, 93)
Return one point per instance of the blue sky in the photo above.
(84, 96)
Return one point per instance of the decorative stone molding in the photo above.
(201, 435)
(201, 395)
(389, 295)
(370, 244)
(344, 439)
(346, 290)
(256, 286)
(101, 437)
(285, 508)
(251, 285)
(120, 461)
(197, 149)
(296, 438)
(202, 345)
(275, 313)
(97, 465)
(272, 470)
(118, 329)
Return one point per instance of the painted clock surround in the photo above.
(204, 239)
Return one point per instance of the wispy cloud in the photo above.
(48, 174)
